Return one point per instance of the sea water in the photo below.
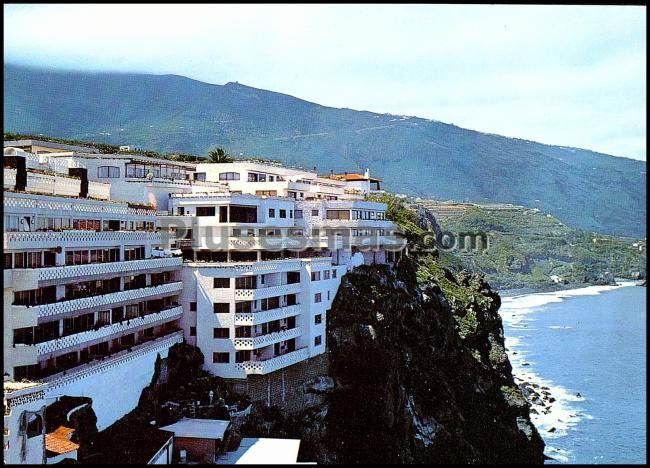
(588, 346)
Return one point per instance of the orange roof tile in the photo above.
(353, 177)
(58, 441)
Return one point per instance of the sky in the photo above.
(563, 75)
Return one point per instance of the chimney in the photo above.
(366, 175)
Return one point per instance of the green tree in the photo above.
(219, 155)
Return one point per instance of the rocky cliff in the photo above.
(416, 378)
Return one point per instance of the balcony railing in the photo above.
(274, 363)
(256, 318)
(90, 337)
(94, 302)
(75, 271)
(77, 238)
(265, 340)
(84, 370)
(264, 292)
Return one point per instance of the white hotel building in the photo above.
(93, 293)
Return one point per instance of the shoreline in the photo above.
(529, 290)
(554, 409)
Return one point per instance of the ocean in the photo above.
(587, 346)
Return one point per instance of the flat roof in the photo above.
(199, 428)
(262, 451)
(50, 144)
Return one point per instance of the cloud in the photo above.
(567, 75)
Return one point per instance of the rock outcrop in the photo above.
(417, 379)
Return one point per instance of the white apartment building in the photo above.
(92, 294)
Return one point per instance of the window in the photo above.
(111, 172)
(333, 273)
(200, 176)
(314, 212)
(220, 333)
(318, 340)
(221, 282)
(205, 211)
(269, 193)
(192, 331)
(298, 214)
(315, 275)
(326, 274)
(192, 306)
(229, 176)
(315, 232)
(246, 282)
(243, 356)
(221, 308)
(328, 295)
(271, 212)
(270, 303)
(220, 358)
(317, 298)
(283, 213)
(338, 214)
(318, 319)
(290, 213)
(244, 307)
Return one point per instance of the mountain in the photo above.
(414, 156)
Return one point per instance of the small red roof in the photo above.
(59, 441)
(353, 177)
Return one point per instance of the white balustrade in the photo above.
(9, 178)
(28, 201)
(265, 340)
(275, 363)
(89, 337)
(99, 190)
(75, 271)
(77, 238)
(257, 318)
(271, 291)
(48, 310)
(117, 359)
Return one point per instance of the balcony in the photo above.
(91, 337)
(256, 318)
(71, 238)
(274, 363)
(271, 291)
(78, 271)
(99, 190)
(94, 302)
(265, 340)
(53, 184)
(84, 370)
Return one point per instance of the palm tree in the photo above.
(219, 155)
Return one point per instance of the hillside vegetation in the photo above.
(527, 247)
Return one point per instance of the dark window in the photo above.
(283, 213)
(192, 331)
(221, 333)
(314, 212)
(192, 306)
(317, 297)
(205, 210)
(246, 282)
(221, 282)
(223, 214)
(318, 319)
(112, 172)
(221, 308)
(242, 356)
(271, 212)
(315, 275)
(298, 214)
(220, 358)
(317, 341)
(333, 273)
(338, 214)
(243, 214)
